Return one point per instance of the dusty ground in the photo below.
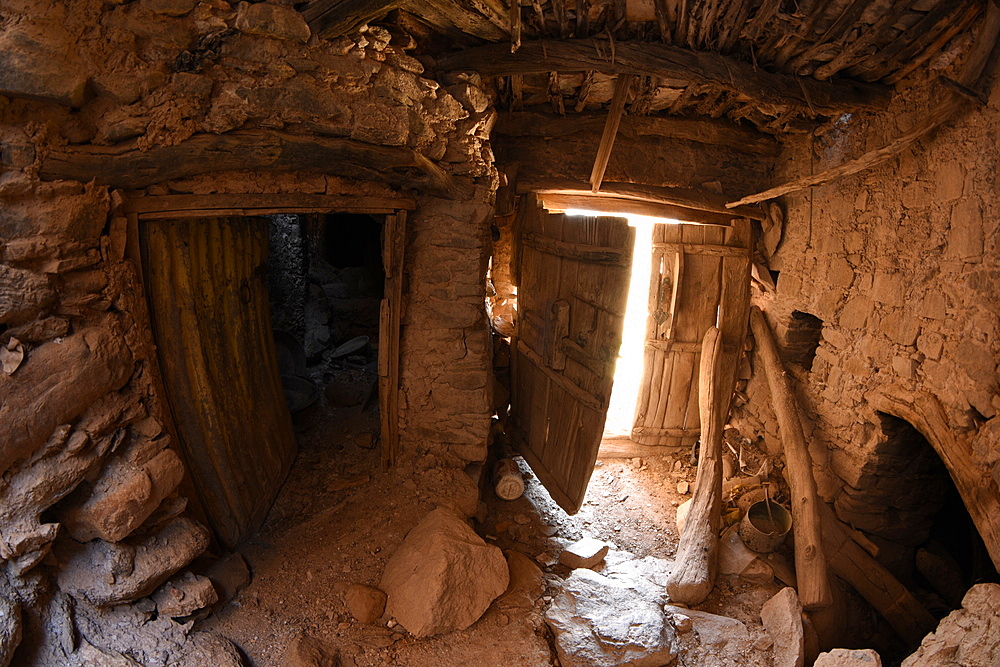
(340, 517)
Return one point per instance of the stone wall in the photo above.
(88, 493)
(901, 265)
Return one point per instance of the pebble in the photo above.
(683, 487)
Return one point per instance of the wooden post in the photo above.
(622, 85)
(810, 565)
(696, 563)
(390, 323)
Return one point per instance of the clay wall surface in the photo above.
(87, 463)
(901, 264)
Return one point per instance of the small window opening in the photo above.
(802, 340)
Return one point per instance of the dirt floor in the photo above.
(340, 517)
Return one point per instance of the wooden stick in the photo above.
(941, 112)
(515, 25)
(696, 562)
(615, 112)
(810, 565)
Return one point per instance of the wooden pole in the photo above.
(622, 85)
(696, 563)
(810, 565)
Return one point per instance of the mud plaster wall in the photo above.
(87, 464)
(901, 264)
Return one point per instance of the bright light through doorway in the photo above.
(628, 371)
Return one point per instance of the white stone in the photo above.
(602, 622)
(844, 657)
(443, 577)
(587, 552)
(782, 617)
(969, 636)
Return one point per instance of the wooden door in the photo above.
(209, 306)
(573, 275)
(700, 275)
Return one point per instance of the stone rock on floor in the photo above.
(712, 641)
(185, 594)
(969, 636)
(443, 577)
(782, 617)
(603, 622)
(307, 651)
(587, 552)
(106, 573)
(366, 603)
(843, 657)
(527, 583)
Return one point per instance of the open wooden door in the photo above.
(700, 273)
(212, 325)
(573, 275)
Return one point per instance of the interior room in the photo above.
(499, 332)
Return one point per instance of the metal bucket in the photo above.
(765, 525)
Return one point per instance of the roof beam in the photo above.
(700, 130)
(710, 69)
(333, 18)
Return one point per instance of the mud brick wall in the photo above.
(91, 514)
(901, 265)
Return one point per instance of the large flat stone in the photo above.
(782, 617)
(37, 62)
(603, 622)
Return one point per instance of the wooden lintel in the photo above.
(672, 62)
(614, 118)
(707, 131)
(126, 166)
(691, 205)
(254, 203)
(333, 18)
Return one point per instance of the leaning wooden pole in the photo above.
(810, 563)
(696, 562)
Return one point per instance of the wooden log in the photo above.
(125, 166)
(810, 564)
(696, 562)
(700, 130)
(942, 111)
(333, 18)
(873, 582)
(670, 62)
(615, 112)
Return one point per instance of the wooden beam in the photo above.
(615, 112)
(611, 204)
(700, 130)
(687, 198)
(663, 60)
(950, 101)
(125, 166)
(148, 206)
(333, 18)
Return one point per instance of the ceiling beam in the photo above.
(710, 69)
(333, 18)
(128, 167)
(700, 130)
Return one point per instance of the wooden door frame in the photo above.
(138, 207)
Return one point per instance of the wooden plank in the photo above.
(611, 204)
(238, 445)
(389, 407)
(624, 448)
(251, 201)
(670, 62)
(672, 432)
(577, 251)
(615, 111)
(702, 249)
(127, 166)
(697, 200)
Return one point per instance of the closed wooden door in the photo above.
(212, 326)
(700, 276)
(573, 275)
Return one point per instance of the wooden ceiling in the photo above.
(781, 65)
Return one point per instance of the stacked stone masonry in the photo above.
(89, 476)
